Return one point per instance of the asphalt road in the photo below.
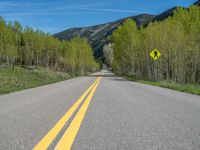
(121, 115)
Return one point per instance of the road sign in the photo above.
(155, 54)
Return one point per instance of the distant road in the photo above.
(99, 113)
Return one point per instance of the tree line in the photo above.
(33, 48)
(178, 40)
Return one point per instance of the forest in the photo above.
(177, 39)
(29, 48)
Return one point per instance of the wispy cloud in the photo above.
(36, 14)
(8, 4)
(105, 10)
(13, 4)
(78, 6)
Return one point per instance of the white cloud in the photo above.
(105, 10)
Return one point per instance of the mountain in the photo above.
(165, 14)
(197, 3)
(98, 35)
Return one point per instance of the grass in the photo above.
(189, 88)
(21, 78)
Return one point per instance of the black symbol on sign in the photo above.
(155, 54)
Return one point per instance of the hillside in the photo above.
(98, 34)
(197, 3)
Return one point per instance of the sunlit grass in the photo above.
(189, 88)
(20, 78)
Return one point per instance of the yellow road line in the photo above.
(70, 134)
(50, 136)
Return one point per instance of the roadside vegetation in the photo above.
(30, 58)
(22, 78)
(188, 88)
(29, 48)
(178, 40)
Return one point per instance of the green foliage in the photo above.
(108, 54)
(27, 47)
(177, 38)
(125, 40)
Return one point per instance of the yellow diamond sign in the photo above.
(155, 54)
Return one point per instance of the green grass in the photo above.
(21, 78)
(189, 88)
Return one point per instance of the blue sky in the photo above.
(57, 15)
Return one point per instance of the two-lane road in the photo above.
(100, 113)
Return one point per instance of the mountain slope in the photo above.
(197, 3)
(98, 35)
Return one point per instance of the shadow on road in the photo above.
(119, 79)
(102, 75)
(109, 75)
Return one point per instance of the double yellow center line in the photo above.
(69, 136)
